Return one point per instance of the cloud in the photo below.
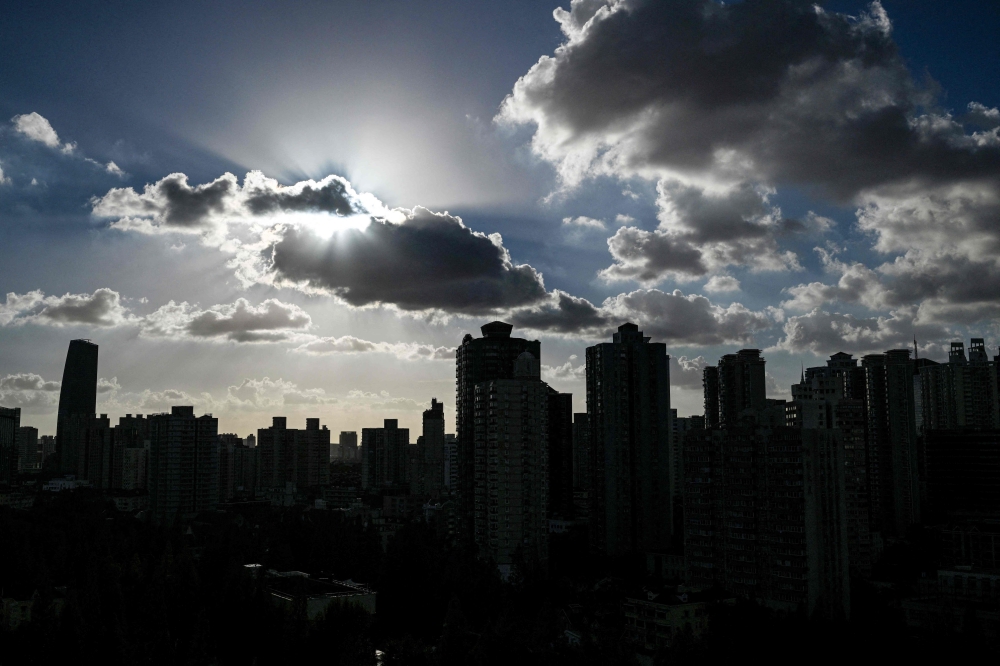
(719, 284)
(36, 128)
(102, 308)
(822, 332)
(271, 321)
(108, 385)
(701, 232)
(584, 222)
(686, 373)
(30, 392)
(565, 372)
(668, 317)
(325, 238)
(348, 344)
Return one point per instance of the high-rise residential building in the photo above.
(183, 464)
(737, 383)
(823, 400)
(10, 422)
(632, 497)
(511, 466)
(134, 467)
(560, 444)
(348, 445)
(891, 442)
(384, 456)
(450, 462)
(764, 514)
(130, 436)
(428, 477)
(77, 395)
(581, 452)
(294, 456)
(27, 449)
(710, 386)
(960, 394)
(478, 360)
(228, 443)
(251, 441)
(86, 441)
(46, 448)
(245, 472)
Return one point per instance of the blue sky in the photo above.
(766, 175)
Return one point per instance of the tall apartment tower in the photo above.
(10, 422)
(183, 464)
(348, 445)
(741, 385)
(384, 456)
(87, 442)
(77, 395)
(430, 452)
(479, 360)
(450, 462)
(581, 452)
(628, 403)
(960, 394)
(892, 442)
(831, 398)
(511, 464)
(560, 454)
(27, 449)
(228, 443)
(288, 455)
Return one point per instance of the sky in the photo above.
(300, 208)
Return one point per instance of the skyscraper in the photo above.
(348, 445)
(27, 448)
(10, 422)
(892, 441)
(430, 452)
(511, 464)
(478, 360)
(78, 395)
(960, 394)
(581, 452)
(628, 403)
(183, 464)
(384, 456)
(288, 455)
(560, 454)
(740, 382)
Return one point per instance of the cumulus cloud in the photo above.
(324, 237)
(686, 373)
(823, 332)
(584, 222)
(669, 317)
(271, 321)
(348, 344)
(720, 284)
(37, 128)
(570, 371)
(32, 393)
(102, 308)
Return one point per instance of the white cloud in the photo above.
(102, 308)
(240, 321)
(30, 392)
(719, 284)
(37, 128)
(348, 344)
(584, 222)
(823, 332)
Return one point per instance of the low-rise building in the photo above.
(292, 588)
(655, 618)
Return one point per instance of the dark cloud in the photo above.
(823, 332)
(775, 91)
(30, 392)
(27, 381)
(562, 313)
(271, 321)
(331, 195)
(428, 261)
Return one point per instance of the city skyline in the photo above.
(189, 232)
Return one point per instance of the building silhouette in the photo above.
(960, 394)
(479, 360)
(183, 464)
(560, 444)
(891, 442)
(385, 456)
(735, 384)
(632, 496)
(293, 456)
(27, 449)
(429, 475)
(10, 422)
(77, 395)
(348, 445)
(511, 448)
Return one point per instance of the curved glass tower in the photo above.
(78, 395)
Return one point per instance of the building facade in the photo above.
(632, 496)
(183, 464)
(385, 456)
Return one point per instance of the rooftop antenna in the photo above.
(802, 376)
(916, 354)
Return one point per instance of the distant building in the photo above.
(183, 464)
(450, 462)
(228, 443)
(891, 442)
(960, 394)
(10, 422)
(348, 445)
(581, 452)
(300, 457)
(251, 441)
(479, 360)
(632, 497)
(736, 384)
(656, 618)
(295, 589)
(134, 464)
(429, 475)
(511, 466)
(86, 442)
(27, 449)
(384, 456)
(560, 455)
(46, 448)
(77, 396)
